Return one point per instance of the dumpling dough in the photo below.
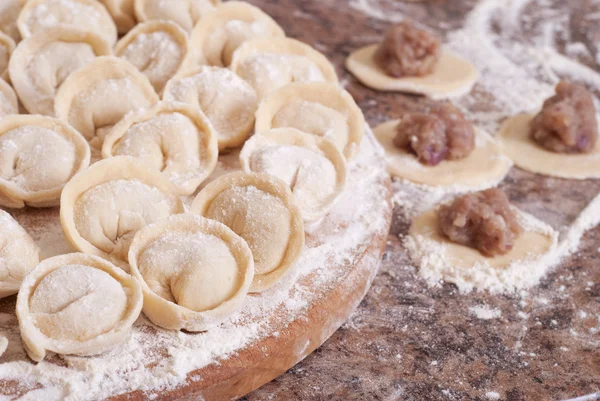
(42, 62)
(94, 98)
(76, 304)
(484, 168)
(216, 37)
(102, 208)
(321, 109)
(9, 104)
(528, 155)
(9, 12)
(226, 99)
(195, 272)
(438, 258)
(85, 15)
(452, 76)
(38, 156)
(156, 48)
(174, 138)
(259, 208)
(183, 12)
(18, 255)
(7, 46)
(313, 167)
(270, 63)
(122, 13)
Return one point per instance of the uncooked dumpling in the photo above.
(86, 15)
(9, 12)
(122, 13)
(38, 156)
(94, 98)
(313, 167)
(483, 168)
(218, 36)
(42, 62)
(156, 48)
(76, 304)
(195, 272)
(103, 207)
(18, 255)
(321, 109)
(259, 208)
(9, 104)
(226, 99)
(174, 138)
(183, 12)
(7, 46)
(270, 63)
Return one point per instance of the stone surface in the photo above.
(408, 341)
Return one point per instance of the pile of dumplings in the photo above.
(117, 110)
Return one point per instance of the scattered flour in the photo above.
(485, 313)
(492, 395)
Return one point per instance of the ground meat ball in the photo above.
(567, 122)
(407, 51)
(482, 220)
(442, 133)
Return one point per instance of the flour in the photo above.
(485, 313)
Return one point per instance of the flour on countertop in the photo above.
(484, 312)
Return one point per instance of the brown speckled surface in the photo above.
(411, 342)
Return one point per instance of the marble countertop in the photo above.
(408, 341)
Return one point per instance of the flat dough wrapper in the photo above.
(528, 155)
(439, 258)
(453, 76)
(485, 166)
(9, 104)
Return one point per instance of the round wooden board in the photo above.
(283, 325)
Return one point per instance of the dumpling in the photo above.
(259, 208)
(216, 37)
(18, 255)
(321, 109)
(103, 207)
(195, 272)
(76, 304)
(313, 167)
(96, 97)
(122, 13)
(42, 62)
(270, 63)
(156, 48)
(38, 155)
(183, 12)
(9, 104)
(226, 99)
(7, 46)
(86, 15)
(174, 138)
(9, 12)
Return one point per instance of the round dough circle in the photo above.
(61, 297)
(202, 256)
(452, 76)
(38, 156)
(439, 258)
(484, 168)
(9, 103)
(87, 15)
(94, 201)
(528, 155)
(254, 206)
(56, 53)
(217, 36)
(313, 167)
(162, 136)
(265, 78)
(228, 101)
(334, 106)
(157, 49)
(18, 255)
